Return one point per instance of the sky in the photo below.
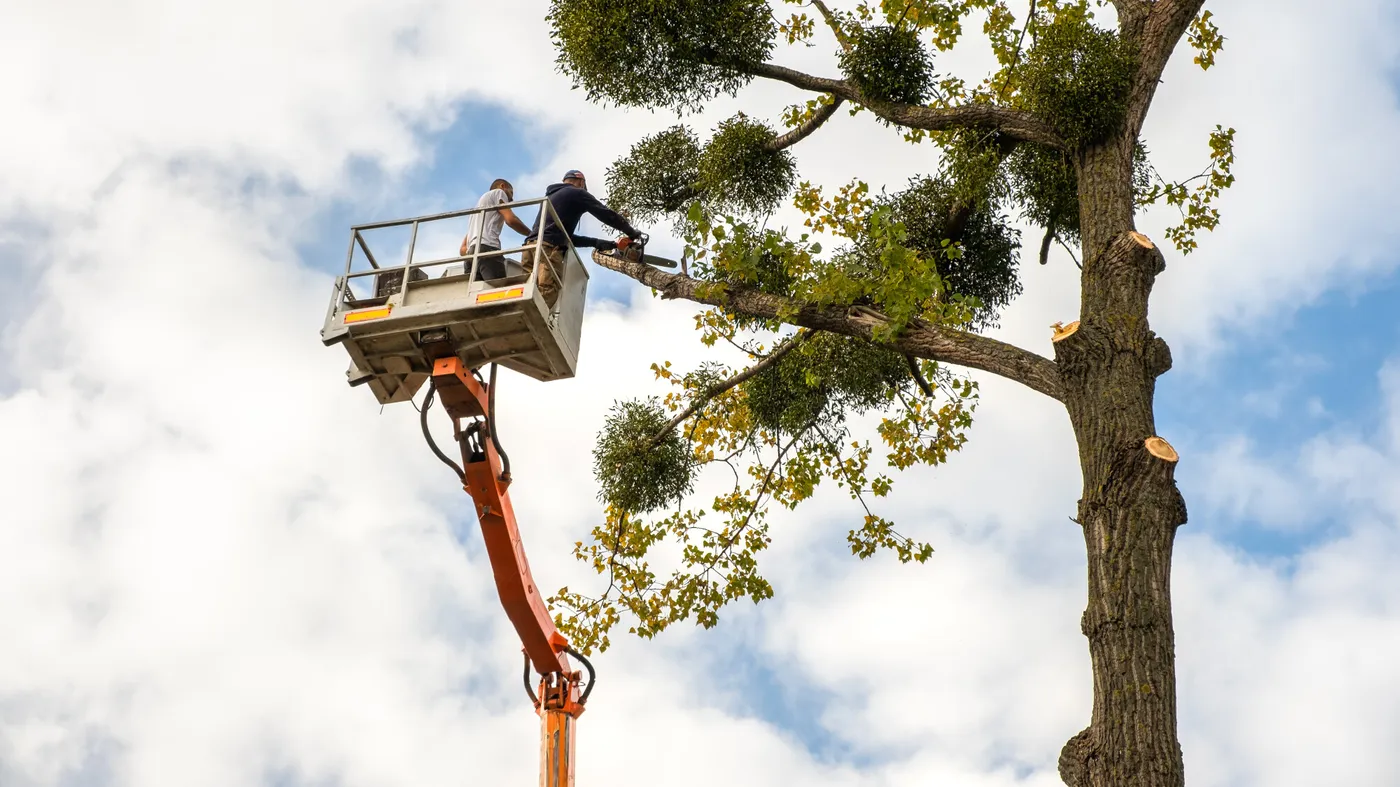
(221, 566)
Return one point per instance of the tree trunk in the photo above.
(1130, 507)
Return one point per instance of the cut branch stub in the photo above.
(1161, 449)
(1063, 331)
(1142, 240)
(1159, 357)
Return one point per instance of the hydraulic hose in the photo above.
(592, 674)
(587, 689)
(427, 435)
(491, 425)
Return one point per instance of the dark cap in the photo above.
(573, 173)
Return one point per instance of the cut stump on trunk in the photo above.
(1161, 449)
(1063, 331)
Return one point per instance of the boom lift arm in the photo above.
(467, 398)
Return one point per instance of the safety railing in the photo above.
(392, 283)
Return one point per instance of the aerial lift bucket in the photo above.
(393, 331)
(415, 326)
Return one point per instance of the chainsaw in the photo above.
(635, 251)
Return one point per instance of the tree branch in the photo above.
(1014, 123)
(1157, 30)
(919, 338)
(834, 24)
(1016, 58)
(805, 129)
(710, 393)
(918, 377)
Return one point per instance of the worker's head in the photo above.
(503, 185)
(575, 178)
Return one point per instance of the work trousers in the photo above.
(549, 288)
(492, 267)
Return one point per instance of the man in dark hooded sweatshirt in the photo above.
(570, 200)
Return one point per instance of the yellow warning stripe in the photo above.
(500, 295)
(367, 314)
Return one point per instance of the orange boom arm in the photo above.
(463, 396)
(558, 701)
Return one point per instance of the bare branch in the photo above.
(720, 387)
(1016, 58)
(1157, 30)
(1069, 251)
(918, 377)
(833, 23)
(803, 80)
(805, 129)
(1015, 123)
(919, 338)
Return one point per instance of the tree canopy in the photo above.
(883, 321)
(942, 251)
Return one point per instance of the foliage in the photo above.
(1078, 76)
(658, 176)
(671, 53)
(1206, 39)
(1046, 186)
(941, 20)
(739, 172)
(889, 64)
(1196, 205)
(878, 269)
(797, 114)
(749, 256)
(798, 27)
(687, 509)
(827, 378)
(718, 560)
(987, 267)
(636, 471)
(940, 250)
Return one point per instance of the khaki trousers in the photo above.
(549, 288)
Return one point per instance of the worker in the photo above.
(570, 200)
(484, 233)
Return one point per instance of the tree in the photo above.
(879, 324)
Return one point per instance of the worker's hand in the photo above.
(605, 245)
(635, 234)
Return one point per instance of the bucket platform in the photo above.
(394, 332)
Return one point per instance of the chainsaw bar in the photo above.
(660, 262)
(632, 255)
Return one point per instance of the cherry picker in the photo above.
(437, 323)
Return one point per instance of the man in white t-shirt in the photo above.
(484, 235)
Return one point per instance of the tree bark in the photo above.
(920, 339)
(1131, 507)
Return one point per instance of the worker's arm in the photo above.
(514, 222)
(609, 216)
(597, 243)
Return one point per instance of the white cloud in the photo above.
(218, 564)
(1239, 486)
(1311, 95)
